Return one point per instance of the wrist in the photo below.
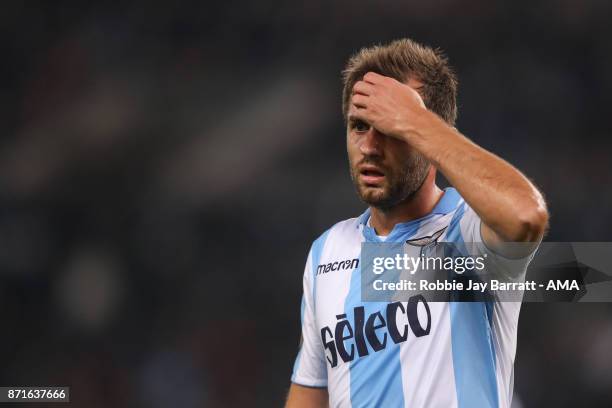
(423, 125)
(432, 137)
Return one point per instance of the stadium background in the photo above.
(164, 169)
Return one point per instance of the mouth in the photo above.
(371, 175)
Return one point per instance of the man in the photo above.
(399, 103)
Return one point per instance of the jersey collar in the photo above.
(449, 201)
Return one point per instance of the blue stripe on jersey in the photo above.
(448, 202)
(472, 344)
(296, 365)
(316, 251)
(315, 257)
(375, 379)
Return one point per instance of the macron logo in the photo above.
(337, 266)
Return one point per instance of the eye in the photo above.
(360, 126)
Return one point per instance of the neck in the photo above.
(417, 206)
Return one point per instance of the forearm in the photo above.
(506, 201)
(306, 397)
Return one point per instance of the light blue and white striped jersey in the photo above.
(404, 354)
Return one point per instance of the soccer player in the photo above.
(399, 103)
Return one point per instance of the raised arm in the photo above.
(510, 206)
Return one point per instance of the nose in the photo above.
(372, 143)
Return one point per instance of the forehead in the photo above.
(412, 82)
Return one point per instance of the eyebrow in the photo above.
(352, 118)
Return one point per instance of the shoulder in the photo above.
(343, 231)
(461, 212)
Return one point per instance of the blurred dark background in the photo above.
(165, 167)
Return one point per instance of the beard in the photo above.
(400, 184)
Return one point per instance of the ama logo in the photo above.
(346, 342)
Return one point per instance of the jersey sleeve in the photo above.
(309, 368)
(510, 269)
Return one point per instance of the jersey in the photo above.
(370, 354)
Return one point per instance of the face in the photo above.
(385, 170)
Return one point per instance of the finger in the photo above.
(360, 101)
(373, 77)
(417, 96)
(363, 88)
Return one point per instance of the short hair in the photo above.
(402, 59)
